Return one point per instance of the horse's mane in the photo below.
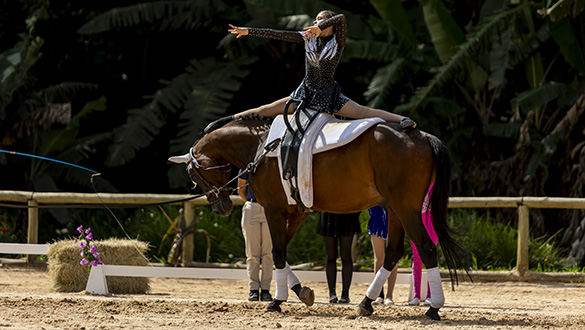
(256, 117)
(265, 124)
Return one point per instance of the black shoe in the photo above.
(344, 300)
(407, 123)
(332, 298)
(265, 295)
(254, 295)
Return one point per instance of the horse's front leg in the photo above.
(392, 254)
(282, 231)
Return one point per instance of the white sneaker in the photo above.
(428, 302)
(414, 302)
(378, 301)
(389, 301)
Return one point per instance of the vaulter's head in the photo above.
(323, 16)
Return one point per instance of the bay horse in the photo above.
(384, 166)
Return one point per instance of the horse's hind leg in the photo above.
(392, 254)
(419, 231)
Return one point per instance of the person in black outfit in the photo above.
(338, 228)
(324, 44)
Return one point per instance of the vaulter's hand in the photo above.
(312, 32)
(239, 31)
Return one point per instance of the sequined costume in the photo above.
(322, 56)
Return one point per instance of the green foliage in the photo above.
(546, 255)
(307, 246)
(227, 241)
(493, 244)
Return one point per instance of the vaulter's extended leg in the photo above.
(393, 253)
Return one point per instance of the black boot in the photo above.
(254, 295)
(332, 297)
(407, 123)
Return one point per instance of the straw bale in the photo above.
(68, 275)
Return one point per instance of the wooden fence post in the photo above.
(523, 239)
(188, 241)
(33, 227)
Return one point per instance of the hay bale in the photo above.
(68, 275)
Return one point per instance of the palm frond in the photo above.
(562, 9)
(278, 8)
(15, 68)
(138, 132)
(539, 96)
(484, 35)
(369, 50)
(210, 97)
(380, 88)
(170, 15)
(66, 91)
(395, 15)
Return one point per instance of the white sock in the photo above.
(281, 289)
(437, 297)
(377, 284)
(291, 279)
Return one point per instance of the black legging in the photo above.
(331, 262)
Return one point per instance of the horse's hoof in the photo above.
(433, 313)
(365, 307)
(274, 306)
(307, 295)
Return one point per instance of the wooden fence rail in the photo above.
(523, 204)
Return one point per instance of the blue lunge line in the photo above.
(49, 159)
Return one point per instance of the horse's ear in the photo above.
(180, 159)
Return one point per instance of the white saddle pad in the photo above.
(324, 133)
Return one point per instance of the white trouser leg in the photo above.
(437, 297)
(378, 283)
(281, 289)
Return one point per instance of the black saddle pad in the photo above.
(291, 141)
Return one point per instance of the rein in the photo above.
(250, 168)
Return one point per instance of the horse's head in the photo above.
(212, 177)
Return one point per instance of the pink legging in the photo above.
(427, 220)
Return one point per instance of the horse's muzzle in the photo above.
(223, 206)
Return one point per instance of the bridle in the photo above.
(197, 167)
(194, 164)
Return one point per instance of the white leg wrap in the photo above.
(291, 279)
(281, 289)
(378, 283)
(437, 297)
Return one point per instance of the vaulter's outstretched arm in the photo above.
(290, 36)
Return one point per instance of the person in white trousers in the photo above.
(258, 244)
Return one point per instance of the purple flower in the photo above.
(87, 231)
(93, 248)
(96, 255)
(84, 262)
(80, 229)
(83, 244)
(93, 263)
(75, 240)
(89, 237)
(81, 254)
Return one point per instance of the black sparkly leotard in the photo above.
(322, 56)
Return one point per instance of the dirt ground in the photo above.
(26, 302)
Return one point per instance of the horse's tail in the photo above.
(455, 256)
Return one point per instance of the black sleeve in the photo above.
(290, 36)
(340, 27)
